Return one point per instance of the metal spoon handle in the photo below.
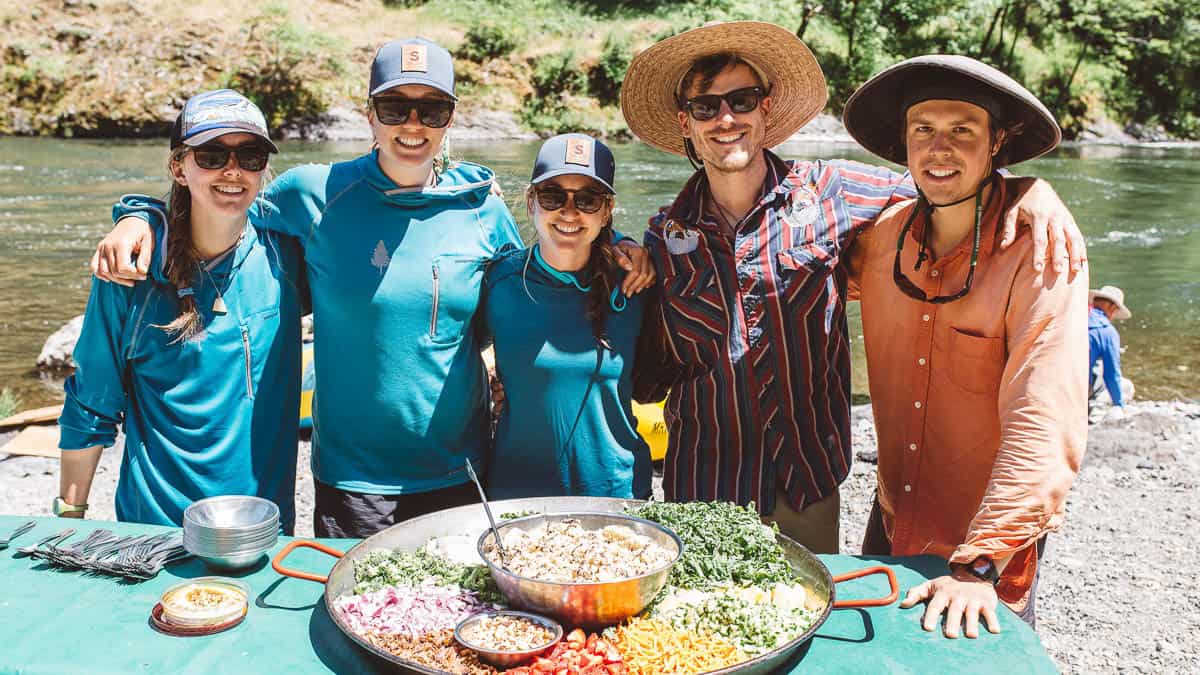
(488, 510)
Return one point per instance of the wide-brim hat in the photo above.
(874, 114)
(794, 79)
(1114, 295)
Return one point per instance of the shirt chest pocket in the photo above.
(975, 363)
(805, 272)
(697, 313)
(454, 296)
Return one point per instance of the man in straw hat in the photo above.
(1104, 346)
(749, 334)
(974, 357)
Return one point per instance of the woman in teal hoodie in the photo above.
(200, 363)
(565, 337)
(396, 243)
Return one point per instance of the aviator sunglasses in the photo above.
(211, 156)
(553, 198)
(706, 107)
(394, 110)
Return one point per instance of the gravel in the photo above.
(1118, 592)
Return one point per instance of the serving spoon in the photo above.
(488, 509)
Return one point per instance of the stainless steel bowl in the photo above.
(508, 659)
(599, 603)
(230, 532)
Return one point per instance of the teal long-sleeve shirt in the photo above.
(567, 427)
(215, 415)
(395, 273)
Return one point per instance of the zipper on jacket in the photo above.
(249, 366)
(433, 317)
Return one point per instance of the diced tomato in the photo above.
(543, 665)
(615, 669)
(612, 655)
(577, 636)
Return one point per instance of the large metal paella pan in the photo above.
(471, 521)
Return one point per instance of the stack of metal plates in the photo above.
(232, 531)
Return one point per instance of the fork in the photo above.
(57, 538)
(16, 533)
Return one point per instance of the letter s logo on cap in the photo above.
(579, 151)
(414, 59)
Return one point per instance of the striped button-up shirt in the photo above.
(749, 333)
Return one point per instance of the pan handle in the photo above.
(869, 602)
(277, 561)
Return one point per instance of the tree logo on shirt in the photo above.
(380, 258)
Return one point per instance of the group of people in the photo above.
(734, 310)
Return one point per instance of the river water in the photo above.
(1138, 208)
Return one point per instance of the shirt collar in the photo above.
(689, 206)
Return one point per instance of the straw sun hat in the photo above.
(874, 114)
(1114, 295)
(793, 78)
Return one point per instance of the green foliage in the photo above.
(604, 80)
(491, 39)
(558, 73)
(9, 403)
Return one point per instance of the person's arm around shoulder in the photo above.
(656, 366)
(868, 189)
(1056, 236)
(96, 396)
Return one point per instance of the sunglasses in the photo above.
(432, 112)
(708, 106)
(906, 285)
(587, 200)
(215, 156)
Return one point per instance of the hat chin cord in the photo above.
(977, 195)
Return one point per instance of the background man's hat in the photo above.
(793, 78)
(213, 114)
(1114, 295)
(874, 114)
(575, 154)
(412, 61)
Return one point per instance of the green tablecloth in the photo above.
(57, 621)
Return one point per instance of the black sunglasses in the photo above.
(906, 285)
(708, 106)
(553, 198)
(251, 157)
(432, 112)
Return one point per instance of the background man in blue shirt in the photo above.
(1104, 345)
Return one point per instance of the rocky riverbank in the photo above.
(1118, 591)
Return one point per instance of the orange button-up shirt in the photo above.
(980, 404)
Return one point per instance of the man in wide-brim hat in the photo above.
(974, 357)
(1104, 347)
(749, 334)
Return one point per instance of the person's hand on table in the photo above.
(636, 261)
(113, 259)
(1056, 236)
(962, 596)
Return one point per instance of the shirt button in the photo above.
(921, 361)
(908, 488)
(917, 404)
(933, 273)
(912, 446)
(925, 317)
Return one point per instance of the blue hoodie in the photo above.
(214, 415)
(395, 274)
(567, 427)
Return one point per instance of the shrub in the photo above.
(9, 402)
(604, 80)
(558, 73)
(490, 39)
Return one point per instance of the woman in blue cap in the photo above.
(201, 363)
(565, 337)
(396, 243)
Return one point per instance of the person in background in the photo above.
(1104, 348)
(565, 338)
(201, 362)
(973, 354)
(396, 243)
(749, 332)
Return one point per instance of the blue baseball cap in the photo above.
(575, 154)
(412, 61)
(212, 114)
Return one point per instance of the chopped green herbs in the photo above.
(723, 542)
(756, 628)
(513, 515)
(379, 569)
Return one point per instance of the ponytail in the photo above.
(181, 261)
(602, 270)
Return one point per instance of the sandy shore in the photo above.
(1118, 588)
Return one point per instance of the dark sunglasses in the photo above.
(432, 112)
(553, 198)
(215, 156)
(708, 106)
(906, 285)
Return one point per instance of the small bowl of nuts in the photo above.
(506, 639)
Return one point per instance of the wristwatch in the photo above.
(983, 568)
(61, 507)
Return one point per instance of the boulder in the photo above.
(56, 353)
